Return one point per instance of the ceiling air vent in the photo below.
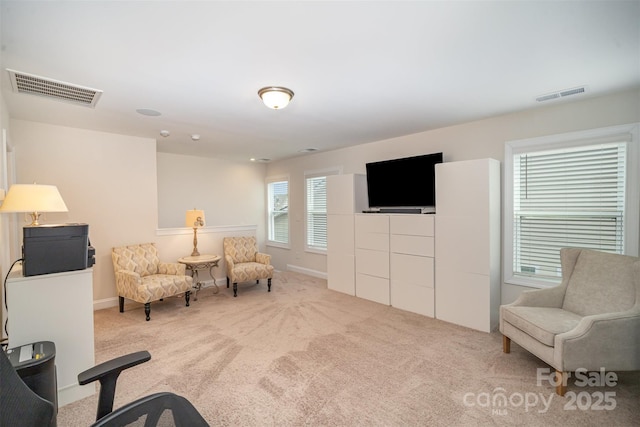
(561, 94)
(49, 88)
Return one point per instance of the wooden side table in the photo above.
(197, 263)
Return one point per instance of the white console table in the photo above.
(56, 307)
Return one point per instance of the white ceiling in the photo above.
(361, 71)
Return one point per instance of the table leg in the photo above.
(213, 277)
(198, 285)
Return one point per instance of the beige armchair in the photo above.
(245, 263)
(141, 277)
(590, 321)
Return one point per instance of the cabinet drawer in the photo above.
(413, 298)
(372, 223)
(417, 225)
(412, 245)
(372, 288)
(411, 269)
(374, 241)
(373, 263)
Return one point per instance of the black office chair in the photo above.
(18, 404)
(21, 406)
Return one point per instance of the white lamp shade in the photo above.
(275, 97)
(33, 198)
(194, 218)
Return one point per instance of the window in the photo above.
(316, 212)
(571, 190)
(278, 211)
(316, 209)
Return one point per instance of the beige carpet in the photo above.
(305, 355)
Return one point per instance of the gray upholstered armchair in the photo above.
(590, 321)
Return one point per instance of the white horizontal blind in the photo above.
(316, 197)
(278, 193)
(572, 197)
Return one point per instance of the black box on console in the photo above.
(55, 248)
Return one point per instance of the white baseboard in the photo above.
(307, 271)
(105, 303)
(73, 392)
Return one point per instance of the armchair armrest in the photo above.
(263, 258)
(548, 297)
(174, 268)
(610, 338)
(107, 373)
(229, 261)
(127, 282)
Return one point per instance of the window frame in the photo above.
(310, 175)
(269, 181)
(629, 132)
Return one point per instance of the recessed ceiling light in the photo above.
(165, 133)
(307, 150)
(195, 137)
(148, 112)
(253, 159)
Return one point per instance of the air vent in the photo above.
(561, 94)
(49, 88)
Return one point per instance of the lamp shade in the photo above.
(33, 198)
(194, 218)
(275, 97)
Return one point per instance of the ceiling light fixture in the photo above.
(275, 97)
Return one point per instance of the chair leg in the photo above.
(227, 282)
(561, 381)
(235, 289)
(121, 304)
(147, 310)
(269, 284)
(187, 296)
(506, 344)
(258, 282)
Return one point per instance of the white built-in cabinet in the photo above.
(468, 243)
(346, 195)
(445, 265)
(412, 247)
(394, 260)
(372, 257)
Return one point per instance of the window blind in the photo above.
(278, 211)
(316, 197)
(571, 197)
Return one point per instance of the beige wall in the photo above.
(5, 248)
(228, 192)
(118, 184)
(107, 181)
(479, 139)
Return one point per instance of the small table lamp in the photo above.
(34, 199)
(195, 219)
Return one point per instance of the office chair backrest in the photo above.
(19, 405)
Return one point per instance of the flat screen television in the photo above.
(407, 183)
